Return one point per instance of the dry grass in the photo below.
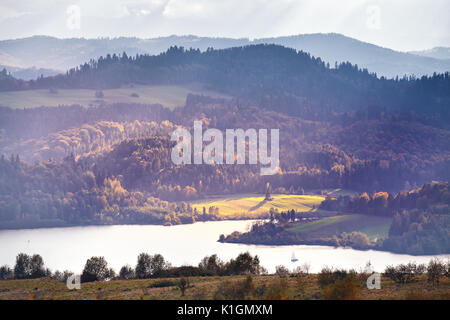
(253, 205)
(168, 96)
(305, 288)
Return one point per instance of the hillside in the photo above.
(29, 73)
(169, 96)
(63, 54)
(270, 76)
(436, 52)
(415, 222)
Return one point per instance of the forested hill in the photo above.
(269, 76)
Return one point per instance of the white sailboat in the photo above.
(293, 258)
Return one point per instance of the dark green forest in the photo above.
(271, 76)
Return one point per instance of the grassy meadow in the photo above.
(204, 288)
(373, 226)
(168, 96)
(251, 205)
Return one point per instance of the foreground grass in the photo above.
(374, 227)
(168, 96)
(205, 287)
(254, 205)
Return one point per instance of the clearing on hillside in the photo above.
(374, 227)
(168, 96)
(255, 205)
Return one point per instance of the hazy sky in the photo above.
(397, 24)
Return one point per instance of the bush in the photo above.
(62, 276)
(212, 265)
(126, 273)
(325, 277)
(436, 269)
(278, 290)
(187, 271)
(329, 276)
(404, 273)
(6, 273)
(29, 267)
(342, 289)
(281, 271)
(243, 264)
(183, 284)
(151, 266)
(99, 94)
(235, 290)
(96, 269)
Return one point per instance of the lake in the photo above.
(69, 248)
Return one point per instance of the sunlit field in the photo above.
(374, 227)
(252, 205)
(168, 96)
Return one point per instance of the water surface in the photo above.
(69, 248)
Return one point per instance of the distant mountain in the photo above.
(62, 54)
(437, 53)
(29, 73)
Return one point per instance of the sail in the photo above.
(293, 258)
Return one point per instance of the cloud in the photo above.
(400, 24)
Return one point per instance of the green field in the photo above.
(254, 205)
(168, 96)
(374, 227)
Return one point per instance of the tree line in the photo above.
(270, 76)
(147, 267)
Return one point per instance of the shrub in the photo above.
(235, 290)
(342, 289)
(281, 271)
(404, 273)
(6, 273)
(187, 271)
(325, 277)
(62, 276)
(243, 264)
(329, 276)
(151, 266)
(126, 273)
(29, 267)
(436, 269)
(96, 269)
(183, 284)
(212, 265)
(278, 290)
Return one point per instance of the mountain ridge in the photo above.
(62, 54)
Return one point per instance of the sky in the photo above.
(398, 24)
